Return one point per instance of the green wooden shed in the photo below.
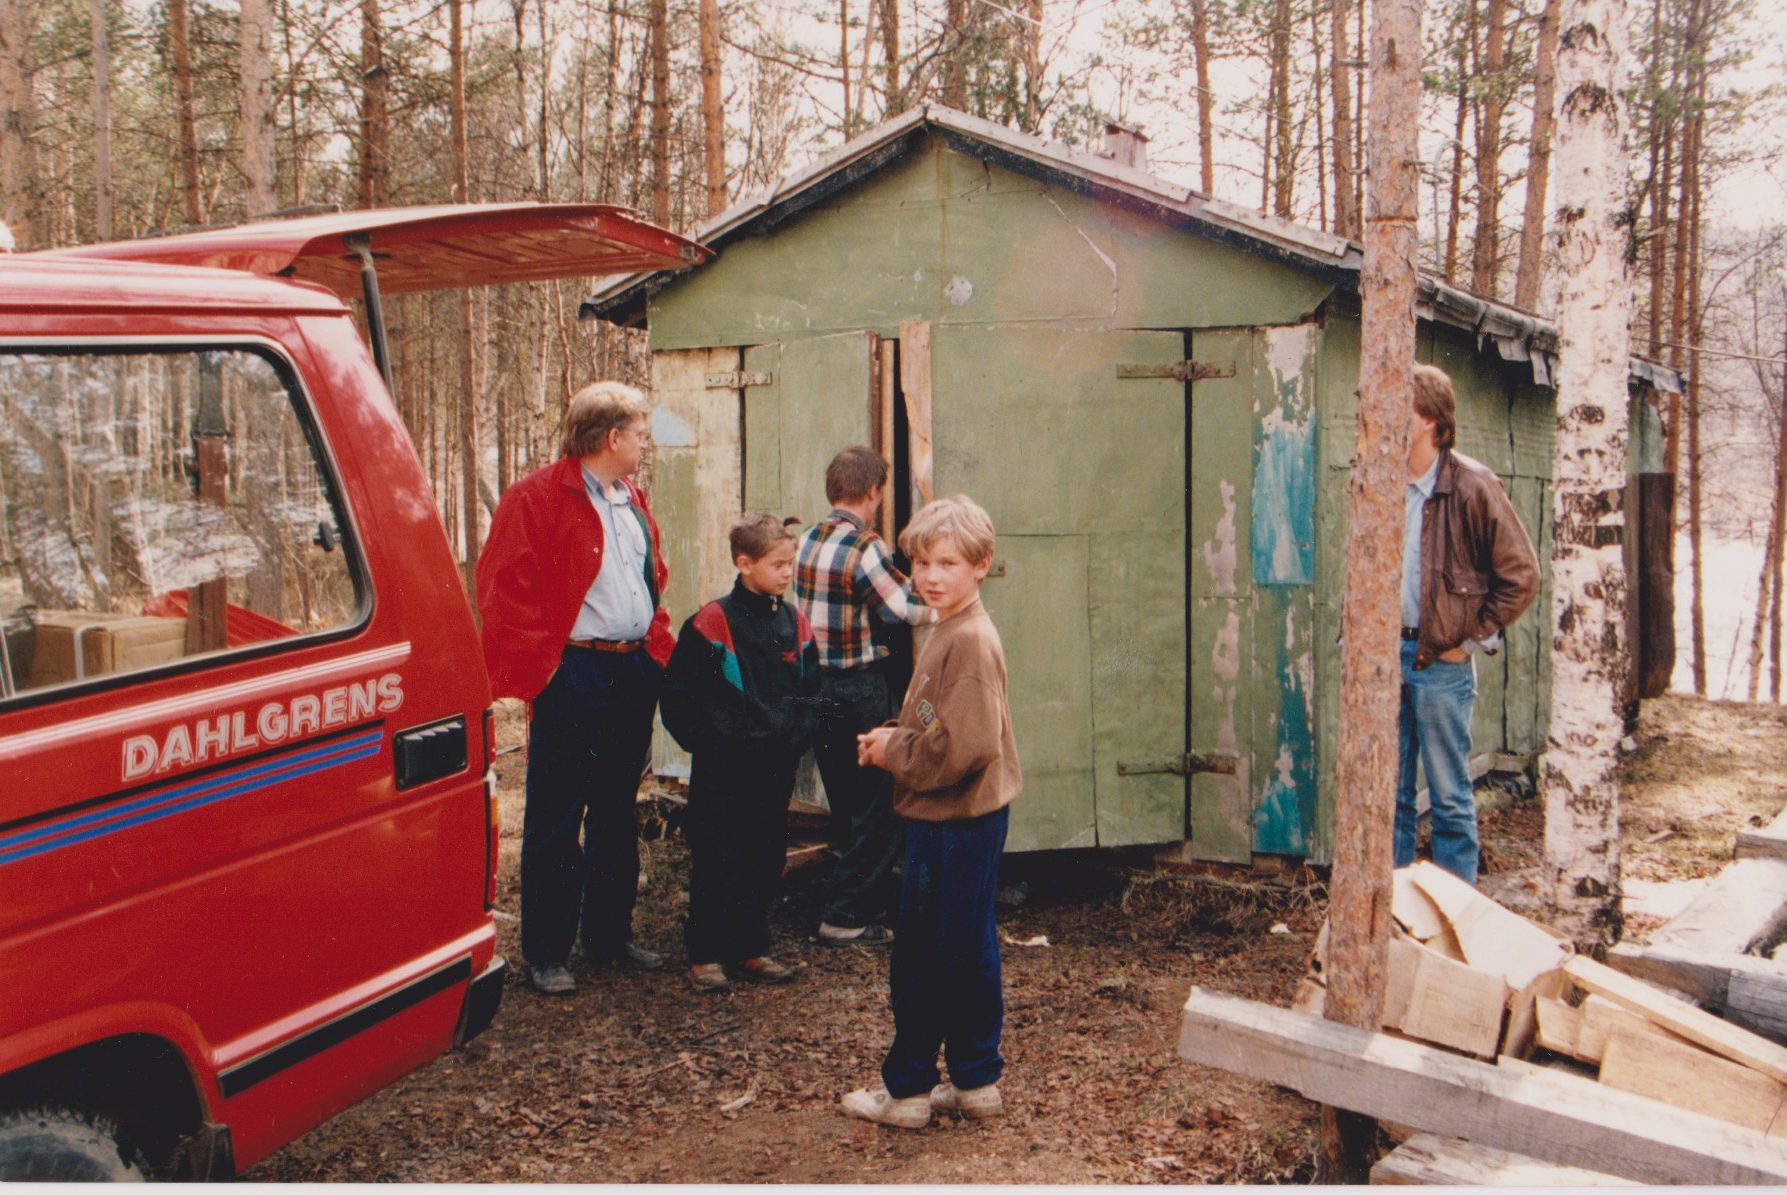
(1152, 393)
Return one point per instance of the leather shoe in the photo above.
(631, 955)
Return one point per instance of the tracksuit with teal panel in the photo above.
(738, 695)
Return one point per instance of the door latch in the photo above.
(1184, 765)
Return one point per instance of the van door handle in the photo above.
(428, 752)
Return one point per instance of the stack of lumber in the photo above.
(1675, 1094)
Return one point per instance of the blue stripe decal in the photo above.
(190, 796)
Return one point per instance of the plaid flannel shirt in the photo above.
(843, 572)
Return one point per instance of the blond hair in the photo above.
(596, 410)
(754, 535)
(959, 519)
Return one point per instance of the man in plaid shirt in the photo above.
(842, 574)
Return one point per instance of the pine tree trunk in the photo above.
(890, 56)
(713, 111)
(1284, 175)
(185, 125)
(1538, 172)
(1370, 680)
(659, 25)
(256, 73)
(1662, 140)
(1697, 561)
(102, 120)
(468, 414)
(955, 54)
(1589, 650)
(1486, 244)
(1455, 206)
(1346, 216)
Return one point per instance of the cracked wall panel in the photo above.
(1039, 604)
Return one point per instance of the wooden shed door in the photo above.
(1084, 475)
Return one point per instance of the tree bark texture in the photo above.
(1531, 270)
(468, 411)
(1778, 535)
(659, 25)
(713, 107)
(1696, 317)
(1455, 206)
(376, 108)
(1486, 244)
(1200, 47)
(890, 56)
(255, 72)
(1589, 649)
(1346, 215)
(955, 53)
(1370, 671)
(185, 124)
(102, 119)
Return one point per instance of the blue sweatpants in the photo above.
(944, 974)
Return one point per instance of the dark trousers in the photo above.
(945, 968)
(864, 828)
(586, 748)
(737, 830)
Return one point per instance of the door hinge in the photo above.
(1180, 371)
(738, 380)
(1184, 765)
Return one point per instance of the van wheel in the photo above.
(59, 1145)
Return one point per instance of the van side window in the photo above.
(157, 505)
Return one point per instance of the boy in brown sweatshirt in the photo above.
(955, 770)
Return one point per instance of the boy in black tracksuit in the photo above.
(738, 696)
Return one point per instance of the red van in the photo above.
(247, 821)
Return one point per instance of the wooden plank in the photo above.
(1751, 991)
(1602, 1018)
(1770, 842)
(1756, 996)
(1429, 1160)
(1559, 1026)
(1523, 1013)
(1701, 1028)
(1493, 939)
(915, 386)
(1552, 1117)
(1688, 1077)
(1432, 998)
(1414, 908)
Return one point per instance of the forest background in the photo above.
(123, 118)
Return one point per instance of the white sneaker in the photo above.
(873, 1103)
(969, 1103)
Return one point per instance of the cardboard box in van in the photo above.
(102, 643)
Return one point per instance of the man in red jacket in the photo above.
(569, 590)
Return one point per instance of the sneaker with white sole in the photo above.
(969, 1103)
(873, 1103)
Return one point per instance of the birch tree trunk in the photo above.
(1370, 668)
(185, 123)
(102, 119)
(1589, 650)
(713, 108)
(1778, 544)
(255, 71)
(1528, 274)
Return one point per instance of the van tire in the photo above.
(62, 1145)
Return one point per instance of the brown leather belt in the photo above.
(616, 645)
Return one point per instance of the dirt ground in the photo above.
(637, 1079)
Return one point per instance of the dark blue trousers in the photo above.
(586, 748)
(947, 994)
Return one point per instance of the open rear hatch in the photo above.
(406, 250)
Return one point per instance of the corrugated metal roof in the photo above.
(1518, 335)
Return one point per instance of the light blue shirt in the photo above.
(618, 605)
(1414, 500)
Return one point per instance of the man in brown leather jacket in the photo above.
(1468, 571)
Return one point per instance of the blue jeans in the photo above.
(1435, 720)
(947, 992)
